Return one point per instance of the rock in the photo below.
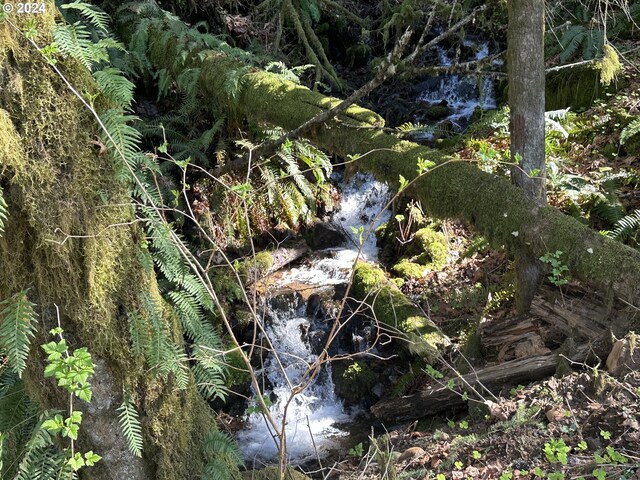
(437, 112)
(624, 357)
(285, 299)
(324, 235)
(353, 382)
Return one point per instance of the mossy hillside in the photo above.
(393, 309)
(73, 241)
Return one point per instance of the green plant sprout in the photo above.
(72, 371)
(558, 268)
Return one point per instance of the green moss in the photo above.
(392, 308)
(431, 248)
(255, 267)
(408, 269)
(71, 241)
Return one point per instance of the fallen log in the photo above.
(454, 189)
(555, 315)
(394, 310)
(437, 399)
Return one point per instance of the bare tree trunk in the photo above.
(525, 63)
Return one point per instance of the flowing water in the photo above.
(462, 94)
(314, 416)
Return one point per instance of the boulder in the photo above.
(324, 235)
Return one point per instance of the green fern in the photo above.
(4, 211)
(96, 17)
(162, 354)
(17, 329)
(223, 456)
(115, 86)
(131, 425)
(582, 35)
(630, 131)
(41, 460)
(627, 227)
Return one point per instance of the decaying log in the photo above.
(440, 398)
(556, 315)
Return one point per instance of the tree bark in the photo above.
(525, 64)
(56, 184)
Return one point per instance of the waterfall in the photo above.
(462, 94)
(313, 417)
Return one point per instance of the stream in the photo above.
(295, 321)
(316, 418)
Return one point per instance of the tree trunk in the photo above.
(525, 64)
(56, 185)
(454, 189)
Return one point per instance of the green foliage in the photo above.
(18, 326)
(192, 304)
(223, 456)
(130, 425)
(628, 228)
(284, 72)
(71, 370)
(629, 131)
(558, 268)
(86, 40)
(556, 451)
(115, 85)
(407, 14)
(288, 187)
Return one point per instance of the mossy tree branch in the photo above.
(454, 189)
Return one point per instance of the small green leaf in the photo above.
(92, 458)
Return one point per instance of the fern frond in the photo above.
(40, 459)
(210, 373)
(571, 41)
(221, 444)
(627, 226)
(629, 131)
(17, 329)
(4, 211)
(116, 86)
(97, 17)
(130, 425)
(125, 137)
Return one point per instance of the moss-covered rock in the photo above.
(405, 268)
(254, 268)
(353, 380)
(393, 309)
(430, 247)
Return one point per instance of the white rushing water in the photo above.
(312, 415)
(361, 206)
(462, 94)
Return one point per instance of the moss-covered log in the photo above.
(393, 310)
(454, 189)
(57, 186)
